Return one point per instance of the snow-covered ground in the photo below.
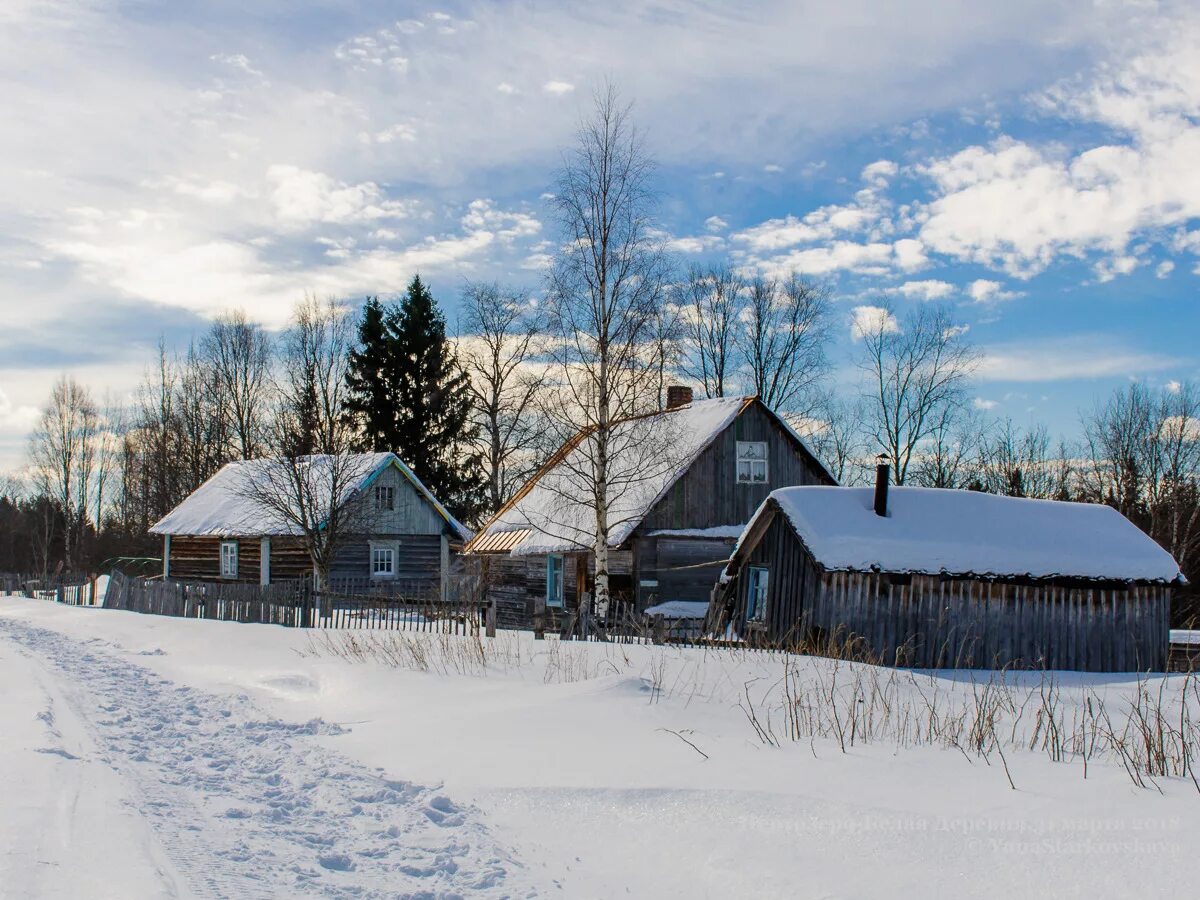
(144, 756)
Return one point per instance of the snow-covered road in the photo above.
(217, 798)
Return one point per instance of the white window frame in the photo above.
(382, 491)
(229, 559)
(758, 581)
(392, 551)
(752, 464)
(555, 563)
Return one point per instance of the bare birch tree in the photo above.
(308, 487)
(606, 288)
(710, 304)
(916, 373)
(62, 452)
(499, 352)
(782, 342)
(314, 356)
(240, 355)
(1143, 457)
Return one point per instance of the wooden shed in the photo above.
(689, 478)
(949, 579)
(399, 530)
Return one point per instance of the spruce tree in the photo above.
(370, 379)
(409, 395)
(434, 432)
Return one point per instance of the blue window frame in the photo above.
(554, 580)
(756, 593)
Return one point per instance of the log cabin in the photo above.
(935, 578)
(685, 481)
(395, 529)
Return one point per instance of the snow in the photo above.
(679, 609)
(224, 506)
(554, 507)
(935, 531)
(727, 532)
(204, 758)
(1181, 636)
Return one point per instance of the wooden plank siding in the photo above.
(708, 495)
(418, 556)
(517, 584)
(677, 568)
(942, 622)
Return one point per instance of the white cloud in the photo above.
(1164, 268)
(557, 88)
(980, 403)
(237, 61)
(983, 290)
(505, 88)
(1066, 357)
(772, 168)
(507, 225)
(866, 320)
(1108, 269)
(924, 290)
(878, 173)
(16, 418)
(1173, 387)
(1016, 206)
(715, 223)
(303, 198)
(910, 254)
(381, 51)
(698, 244)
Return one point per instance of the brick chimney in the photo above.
(678, 395)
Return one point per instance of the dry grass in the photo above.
(1150, 728)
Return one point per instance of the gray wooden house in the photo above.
(398, 529)
(687, 479)
(949, 579)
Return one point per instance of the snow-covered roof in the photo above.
(679, 609)
(652, 452)
(225, 504)
(717, 532)
(933, 531)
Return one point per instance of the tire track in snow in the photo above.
(248, 806)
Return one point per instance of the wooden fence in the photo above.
(286, 603)
(73, 590)
(413, 606)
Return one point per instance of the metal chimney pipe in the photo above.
(882, 477)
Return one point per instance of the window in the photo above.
(385, 497)
(752, 462)
(554, 581)
(229, 559)
(756, 594)
(383, 560)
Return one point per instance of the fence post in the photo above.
(539, 619)
(490, 619)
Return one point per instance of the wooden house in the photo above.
(949, 579)
(685, 482)
(396, 529)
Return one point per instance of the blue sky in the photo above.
(1033, 165)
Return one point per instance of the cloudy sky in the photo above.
(1036, 164)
